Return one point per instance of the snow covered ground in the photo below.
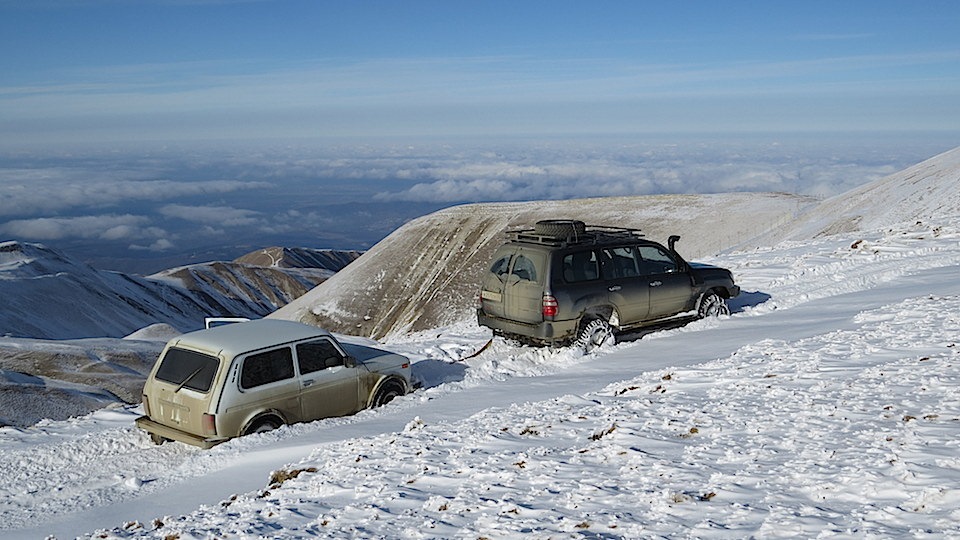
(825, 405)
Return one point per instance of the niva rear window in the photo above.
(188, 369)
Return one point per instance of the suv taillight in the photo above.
(549, 306)
(146, 405)
(209, 424)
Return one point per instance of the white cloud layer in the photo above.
(27, 191)
(212, 215)
(102, 227)
(351, 195)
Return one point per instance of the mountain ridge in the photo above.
(50, 295)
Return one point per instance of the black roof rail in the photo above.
(592, 234)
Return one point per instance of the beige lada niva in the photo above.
(211, 385)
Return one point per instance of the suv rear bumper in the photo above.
(174, 434)
(545, 332)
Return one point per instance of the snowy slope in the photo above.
(43, 379)
(923, 192)
(285, 257)
(427, 273)
(825, 405)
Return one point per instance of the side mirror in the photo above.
(672, 242)
(349, 361)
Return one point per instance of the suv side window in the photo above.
(524, 268)
(620, 262)
(266, 367)
(656, 261)
(316, 355)
(580, 266)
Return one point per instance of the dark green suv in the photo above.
(564, 282)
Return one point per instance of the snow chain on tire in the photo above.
(595, 334)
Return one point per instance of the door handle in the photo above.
(310, 382)
(614, 288)
(656, 283)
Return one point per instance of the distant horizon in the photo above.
(142, 208)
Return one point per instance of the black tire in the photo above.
(594, 334)
(263, 425)
(386, 394)
(559, 227)
(712, 305)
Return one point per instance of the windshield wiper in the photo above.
(185, 381)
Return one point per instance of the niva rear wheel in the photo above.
(263, 426)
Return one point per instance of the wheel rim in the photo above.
(263, 427)
(386, 397)
(714, 306)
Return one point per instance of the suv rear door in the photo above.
(491, 287)
(627, 289)
(523, 287)
(513, 288)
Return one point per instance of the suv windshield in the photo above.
(188, 369)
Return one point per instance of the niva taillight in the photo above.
(209, 424)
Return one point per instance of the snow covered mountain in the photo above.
(427, 272)
(825, 405)
(332, 260)
(923, 192)
(48, 295)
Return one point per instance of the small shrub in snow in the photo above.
(277, 478)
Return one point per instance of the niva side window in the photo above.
(316, 355)
(266, 367)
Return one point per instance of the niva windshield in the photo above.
(188, 369)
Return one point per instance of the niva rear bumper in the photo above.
(174, 434)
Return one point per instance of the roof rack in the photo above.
(592, 234)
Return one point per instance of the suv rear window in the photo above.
(191, 369)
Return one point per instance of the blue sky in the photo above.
(124, 70)
(145, 134)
